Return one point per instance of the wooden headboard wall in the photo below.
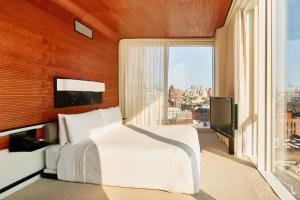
(37, 43)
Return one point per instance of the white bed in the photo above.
(52, 154)
(151, 157)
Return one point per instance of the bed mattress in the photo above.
(151, 157)
(52, 154)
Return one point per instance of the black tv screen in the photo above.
(222, 115)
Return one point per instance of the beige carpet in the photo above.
(222, 177)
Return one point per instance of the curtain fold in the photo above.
(243, 92)
(143, 75)
(235, 71)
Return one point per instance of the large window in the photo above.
(286, 96)
(190, 83)
(165, 81)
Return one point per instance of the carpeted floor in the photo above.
(222, 177)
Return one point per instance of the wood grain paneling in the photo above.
(37, 43)
(152, 18)
(4, 142)
(39, 133)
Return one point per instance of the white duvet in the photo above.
(152, 157)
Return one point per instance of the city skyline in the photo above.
(190, 65)
(174, 85)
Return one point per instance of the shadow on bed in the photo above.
(187, 149)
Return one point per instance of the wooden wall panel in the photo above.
(152, 18)
(37, 43)
(40, 133)
(4, 142)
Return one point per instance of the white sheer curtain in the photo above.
(143, 74)
(234, 68)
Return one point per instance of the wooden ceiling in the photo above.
(151, 18)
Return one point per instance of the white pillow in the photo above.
(62, 130)
(84, 126)
(112, 118)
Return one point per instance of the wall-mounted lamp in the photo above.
(83, 29)
(72, 92)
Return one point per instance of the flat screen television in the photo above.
(223, 115)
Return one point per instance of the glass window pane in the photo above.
(190, 85)
(286, 96)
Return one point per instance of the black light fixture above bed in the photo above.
(73, 92)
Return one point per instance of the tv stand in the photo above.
(230, 138)
(231, 145)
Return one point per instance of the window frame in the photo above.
(267, 61)
(195, 43)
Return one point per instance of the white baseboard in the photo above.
(20, 186)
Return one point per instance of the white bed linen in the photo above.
(152, 157)
(62, 130)
(52, 155)
(112, 118)
(84, 125)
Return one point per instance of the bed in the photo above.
(152, 157)
(52, 154)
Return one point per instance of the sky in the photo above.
(190, 66)
(293, 44)
(293, 63)
(193, 65)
